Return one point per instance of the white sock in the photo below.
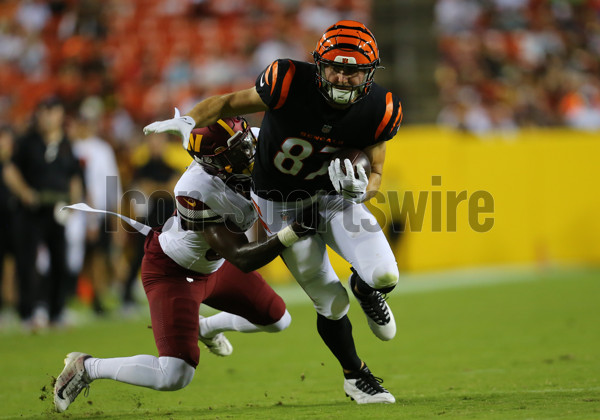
(224, 321)
(160, 373)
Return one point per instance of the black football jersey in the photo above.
(301, 131)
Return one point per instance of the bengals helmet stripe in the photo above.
(352, 37)
(389, 110)
(285, 86)
(226, 127)
(347, 44)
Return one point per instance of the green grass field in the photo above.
(480, 346)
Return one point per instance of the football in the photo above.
(356, 156)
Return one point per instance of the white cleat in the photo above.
(71, 381)
(219, 344)
(364, 388)
(379, 315)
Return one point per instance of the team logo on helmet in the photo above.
(349, 46)
(225, 148)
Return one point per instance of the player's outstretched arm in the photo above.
(207, 112)
(240, 102)
(234, 246)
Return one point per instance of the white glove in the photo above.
(178, 126)
(346, 184)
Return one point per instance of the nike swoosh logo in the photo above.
(60, 391)
(262, 80)
(191, 203)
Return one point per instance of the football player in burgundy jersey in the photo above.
(312, 111)
(200, 255)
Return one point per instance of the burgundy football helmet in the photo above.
(225, 148)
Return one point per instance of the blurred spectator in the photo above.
(116, 50)
(153, 181)
(520, 62)
(90, 236)
(44, 176)
(8, 205)
(455, 16)
(281, 36)
(33, 15)
(580, 106)
(317, 15)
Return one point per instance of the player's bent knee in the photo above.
(177, 374)
(385, 279)
(280, 325)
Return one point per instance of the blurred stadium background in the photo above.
(499, 96)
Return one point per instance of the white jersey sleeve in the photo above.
(202, 198)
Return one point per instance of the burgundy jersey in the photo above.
(300, 131)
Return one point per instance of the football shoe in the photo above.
(364, 388)
(219, 344)
(379, 315)
(71, 381)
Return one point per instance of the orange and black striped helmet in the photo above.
(349, 45)
(225, 148)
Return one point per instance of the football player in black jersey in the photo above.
(311, 112)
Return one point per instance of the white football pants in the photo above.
(350, 230)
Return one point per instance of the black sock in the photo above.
(337, 335)
(364, 289)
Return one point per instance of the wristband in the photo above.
(287, 236)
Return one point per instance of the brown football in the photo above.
(356, 156)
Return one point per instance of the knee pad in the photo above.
(177, 373)
(280, 325)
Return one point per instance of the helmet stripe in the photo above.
(348, 34)
(226, 127)
(332, 34)
(355, 45)
(370, 53)
(197, 143)
(359, 27)
(351, 47)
